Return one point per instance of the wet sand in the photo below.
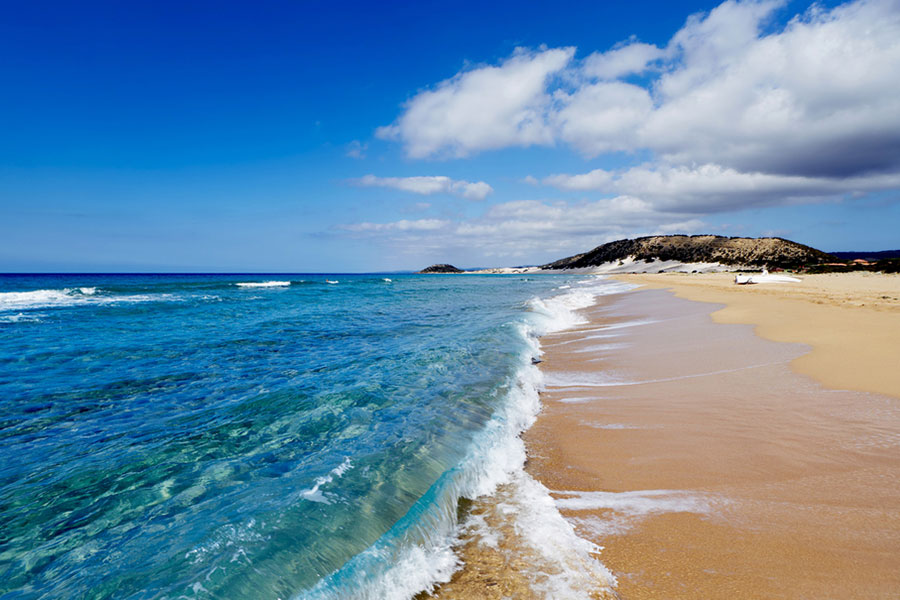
(707, 466)
(851, 320)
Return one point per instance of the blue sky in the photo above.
(335, 136)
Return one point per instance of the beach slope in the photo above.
(706, 461)
(850, 320)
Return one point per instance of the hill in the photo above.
(442, 268)
(759, 252)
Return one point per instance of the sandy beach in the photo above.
(713, 463)
(850, 320)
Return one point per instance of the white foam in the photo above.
(21, 318)
(579, 379)
(314, 494)
(634, 503)
(561, 564)
(387, 280)
(331, 281)
(602, 348)
(598, 528)
(575, 400)
(624, 325)
(60, 298)
(38, 299)
(262, 284)
(558, 313)
(581, 338)
(575, 379)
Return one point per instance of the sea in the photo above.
(301, 436)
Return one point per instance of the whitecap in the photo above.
(262, 284)
(21, 318)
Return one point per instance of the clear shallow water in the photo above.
(185, 436)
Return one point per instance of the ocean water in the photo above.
(242, 436)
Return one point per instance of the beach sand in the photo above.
(851, 320)
(712, 463)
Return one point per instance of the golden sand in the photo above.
(706, 461)
(851, 320)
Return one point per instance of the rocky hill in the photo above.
(441, 269)
(760, 252)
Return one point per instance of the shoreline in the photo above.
(705, 462)
(851, 321)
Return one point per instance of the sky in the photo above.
(335, 136)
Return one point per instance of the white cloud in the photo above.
(598, 179)
(632, 58)
(603, 117)
(431, 184)
(821, 97)
(817, 97)
(472, 191)
(713, 188)
(403, 225)
(481, 109)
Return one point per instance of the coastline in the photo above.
(702, 456)
(851, 321)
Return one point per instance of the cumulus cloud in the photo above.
(817, 97)
(431, 184)
(484, 108)
(598, 179)
(627, 59)
(713, 188)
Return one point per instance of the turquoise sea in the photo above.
(259, 437)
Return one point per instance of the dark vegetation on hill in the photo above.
(442, 268)
(760, 252)
(885, 265)
(869, 256)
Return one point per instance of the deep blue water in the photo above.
(166, 436)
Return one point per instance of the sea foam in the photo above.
(43, 299)
(623, 510)
(314, 493)
(262, 284)
(72, 297)
(417, 553)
